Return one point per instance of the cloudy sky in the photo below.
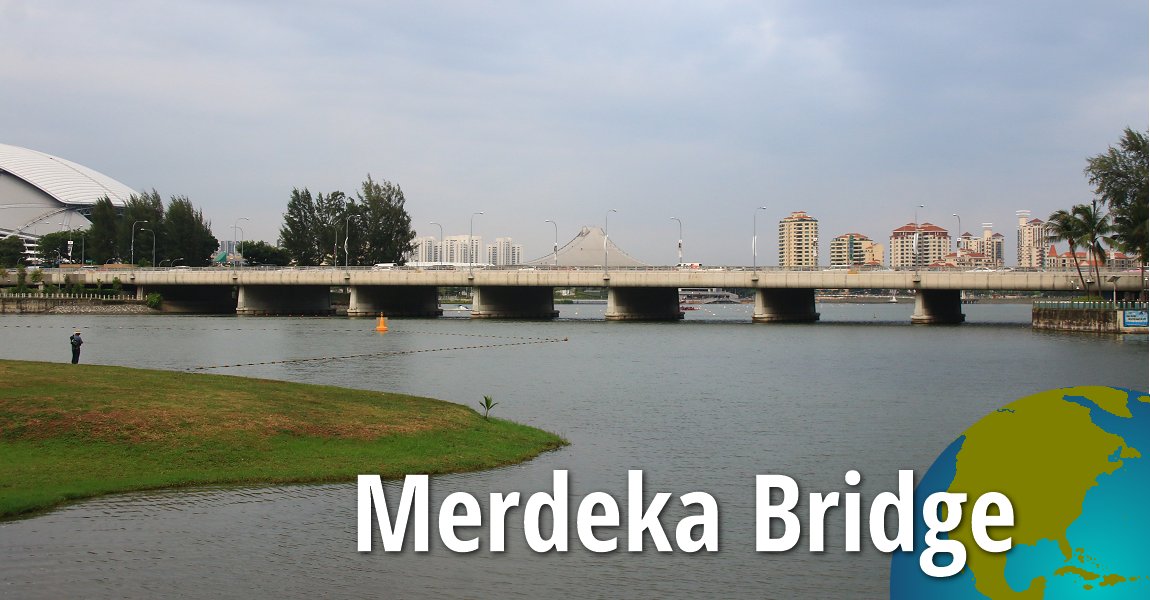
(855, 112)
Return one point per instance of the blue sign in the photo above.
(1134, 318)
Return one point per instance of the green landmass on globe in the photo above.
(1071, 463)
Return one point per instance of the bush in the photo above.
(154, 300)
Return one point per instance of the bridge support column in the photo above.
(643, 304)
(284, 300)
(513, 302)
(938, 307)
(784, 305)
(393, 301)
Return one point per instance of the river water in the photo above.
(700, 405)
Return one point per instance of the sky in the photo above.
(855, 112)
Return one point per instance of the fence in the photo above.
(1090, 304)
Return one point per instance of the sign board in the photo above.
(1134, 318)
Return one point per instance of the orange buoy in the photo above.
(382, 326)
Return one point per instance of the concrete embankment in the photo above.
(37, 304)
(1092, 317)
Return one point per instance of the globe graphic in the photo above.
(1074, 464)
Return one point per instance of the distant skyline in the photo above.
(853, 112)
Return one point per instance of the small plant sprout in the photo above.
(487, 405)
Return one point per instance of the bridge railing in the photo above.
(1090, 304)
(117, 270)
(64, 296)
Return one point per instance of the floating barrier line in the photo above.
(374, 354)
(356, 330)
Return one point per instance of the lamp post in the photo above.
(914, 258)
(439, 252)
(470, 247)
(241, 248)
(755, 240)
(346, 235)
(235, 227)
(153, 244)
(605, 240)
(676, 219)
(555, 246)
(134, 240)
(957, 248)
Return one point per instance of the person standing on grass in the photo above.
(76, 343)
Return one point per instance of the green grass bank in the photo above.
(76, 431)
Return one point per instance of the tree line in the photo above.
(1117, 216)
(177, 232)
(371, 228)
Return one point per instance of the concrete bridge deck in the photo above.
(632, 293)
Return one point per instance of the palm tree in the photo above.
(1062, 226)
(1094, 225)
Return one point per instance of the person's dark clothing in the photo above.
(76, 343)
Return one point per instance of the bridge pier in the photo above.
(938, 307)
(513, 302)
(785, 305)
(393, 301)
(284, 300)
(643, 304)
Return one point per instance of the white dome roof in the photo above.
(64, 180)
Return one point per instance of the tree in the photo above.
(187, 234)
(1093, 225)
(53, 247)
(104, 231)
(387, 234)
(263, 253)
(296, 231)
(1121, 179)
(1062, 226)
(11, 251)
(147, 207)
(1120, 174)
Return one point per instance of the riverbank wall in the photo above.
(70, 304)
(1091, 317)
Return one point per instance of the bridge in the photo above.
(641, 293)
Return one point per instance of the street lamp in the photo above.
(241, 248)
(555, 247)
(134, 240)
(346, 235)
(605, 240)
(439, 253)
(680, 238)
(236, 227)
(755, 239)
(470, 247)
(153, 244)
(915, 258)
(957, 248)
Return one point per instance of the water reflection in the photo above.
(705, 404)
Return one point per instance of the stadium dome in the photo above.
(41, 193)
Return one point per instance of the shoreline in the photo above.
(73, 432)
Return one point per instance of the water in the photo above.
(704, 404)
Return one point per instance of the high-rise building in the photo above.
(916, 248)
(853, 249)
(987, 250)
(458, 250)
(504, 252)
(799, 241)
(1032, 234)
(426, 250)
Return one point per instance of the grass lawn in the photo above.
(77, 431)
